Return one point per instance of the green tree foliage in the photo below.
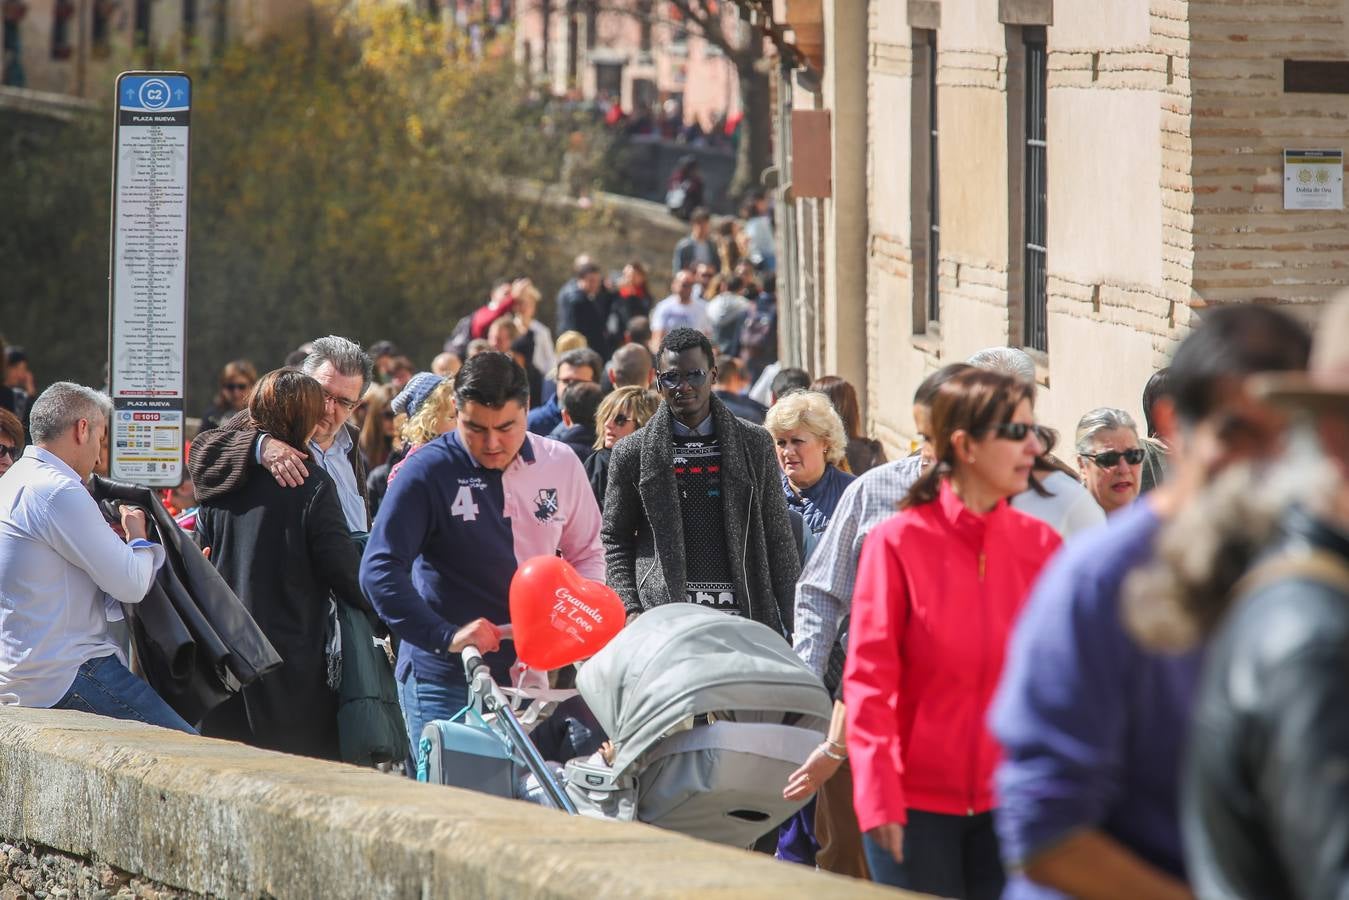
(362, 175)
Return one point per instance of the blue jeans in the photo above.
(105, 687)
(426, 701)
(945, 855)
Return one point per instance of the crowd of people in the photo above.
(1116, 675)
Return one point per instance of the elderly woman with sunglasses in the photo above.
(938, 588)
(236, 380)
(1110, 457)
(620, 414)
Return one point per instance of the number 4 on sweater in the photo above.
(463, 505)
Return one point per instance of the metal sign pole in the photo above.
(147, 306)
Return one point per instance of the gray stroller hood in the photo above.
(679, 661)
(709, 715)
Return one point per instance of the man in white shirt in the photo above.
(680, 310)
(63, 571)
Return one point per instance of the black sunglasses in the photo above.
(236, 386)
(12, 452)
(671, 378)
(1019, 431)
(1110, 458)
(622, 419)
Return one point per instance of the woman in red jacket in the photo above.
(938, 588)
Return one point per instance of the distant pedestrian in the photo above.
(788, 380)
(727, 311)
(621, 413)
(679, 310)
(864, 453)
(11, 440)
(526, 317)
(580, 402)
(236, 380)
(684, 190)
(377, 428)
(64, 572)
(631, 366)
(938, 589)
(582, 306)
(730, 390)
(632, 301)
(808, 435)
(573, 367)
(697, 246)
(1154, 463)
(1110, 457)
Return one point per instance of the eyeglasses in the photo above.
(672, 378)
(621, 420)
(348, 405)
(1110, 458)
(1019, 431)
(234, 386)
(12, 452)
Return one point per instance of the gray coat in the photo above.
(643, 537)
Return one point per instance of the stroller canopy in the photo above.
(679, 661)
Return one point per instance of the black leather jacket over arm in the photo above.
(1266, 797)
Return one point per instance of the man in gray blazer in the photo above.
(694, 510)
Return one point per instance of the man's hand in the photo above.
(284, 462)
(890, 838)
(480, 633)
(133, 522)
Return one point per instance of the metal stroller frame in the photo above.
(484, 689)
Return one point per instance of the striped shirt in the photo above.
(824, 591)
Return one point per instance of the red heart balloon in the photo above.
(559, 617)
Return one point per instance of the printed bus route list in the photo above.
(152, 242)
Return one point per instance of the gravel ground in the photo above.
(39, 873)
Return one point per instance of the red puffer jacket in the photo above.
(938, 590)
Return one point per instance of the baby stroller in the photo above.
(708, 714)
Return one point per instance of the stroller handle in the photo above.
(473, 661)
(480, 683)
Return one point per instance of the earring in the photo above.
(970, 461)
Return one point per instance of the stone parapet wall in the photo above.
(191, 815)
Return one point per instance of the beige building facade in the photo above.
(1080, 179)
(76, 47)
(633, 51)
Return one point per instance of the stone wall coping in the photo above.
(219, 818)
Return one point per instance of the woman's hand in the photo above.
(817, 769)
(890, 838)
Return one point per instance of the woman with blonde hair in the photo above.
(620, 414)
(812, 453)
(527, 299)
(423, 411)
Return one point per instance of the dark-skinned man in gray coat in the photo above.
(694, 510)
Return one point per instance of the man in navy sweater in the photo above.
(464, 512)
(1092, 725)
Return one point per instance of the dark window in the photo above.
(1033, 201)
(644, 16)
(933, 185)
(189, 24)
(140, 23)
